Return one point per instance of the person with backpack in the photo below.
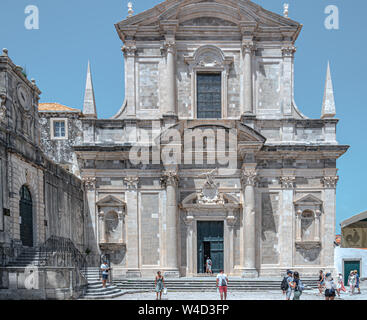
(330, 287)
(285, 286)
(222, 284)
(297, 286)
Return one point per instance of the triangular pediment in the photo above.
(308, 199)
(110, 201)
(242, 15)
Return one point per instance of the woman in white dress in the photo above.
(352, 282)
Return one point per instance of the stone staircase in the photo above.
(29, 257)
(209, 284)
(95, 290)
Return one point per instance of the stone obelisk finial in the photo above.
(328, 104)
(285, 10)
(130, 9)
(89, 107)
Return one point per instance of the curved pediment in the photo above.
(234, 14)
(245, 134)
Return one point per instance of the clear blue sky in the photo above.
(71, 32)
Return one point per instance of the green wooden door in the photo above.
(351, 266)
(26, 214)
(210, 243)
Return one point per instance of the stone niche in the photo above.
(308, 244)
(111, 224)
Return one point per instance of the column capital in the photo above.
(129, 48)
(288, 51)
(287, 182)
(188, 220)
(131, 182)
(170, 178)
(248, 46)
(101, 214)
(169, 46)
(249, 176)
(90, 183)
(330, 182)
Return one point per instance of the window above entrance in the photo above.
(209, 69)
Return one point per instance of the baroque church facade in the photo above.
(204, 80)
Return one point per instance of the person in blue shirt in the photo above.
(357, 281)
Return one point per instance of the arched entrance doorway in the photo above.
(26, 217)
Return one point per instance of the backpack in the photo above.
(224, 281)
(300, 287)
(284, 286)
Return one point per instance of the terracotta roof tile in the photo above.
(55, 107)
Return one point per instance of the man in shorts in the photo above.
(104, 268)
(222, 284)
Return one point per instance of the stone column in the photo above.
(171, 180)
(121, 223)
(288, 56)
(299, 226)
(248, 228)
(132, 242)
(189, 221)
(328, 222)
(248, 48)
(129, 50)
(317, 225)
(229, 225)
(287, 221)
(102, 227)
(92, 229)
(170, 46)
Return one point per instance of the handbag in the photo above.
(165, 291)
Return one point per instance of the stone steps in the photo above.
(207, 285)
(95, 290)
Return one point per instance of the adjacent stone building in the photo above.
(41, 204)
(225, 68)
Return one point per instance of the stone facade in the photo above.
(56, 197)
(277, 204)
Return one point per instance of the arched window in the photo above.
(26, 217)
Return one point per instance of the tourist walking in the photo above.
(209, 264)
(321, 282)
(357, 281)
(286, 285)
(159, 285)
(222, 284)
(352, 282)
(297, 286)
(330, 287)
(104, 268)
(340, 285)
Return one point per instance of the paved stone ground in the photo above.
(270, 295)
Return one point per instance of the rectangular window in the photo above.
(59, 129)
(209, 96)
